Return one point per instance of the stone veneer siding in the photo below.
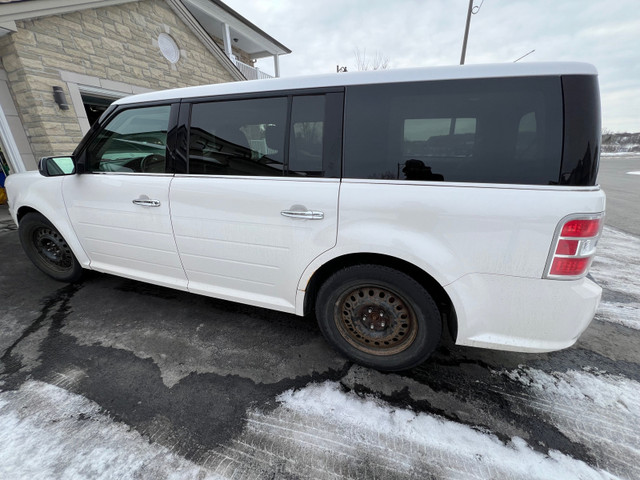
(117, 43)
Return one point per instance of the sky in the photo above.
(420, 33)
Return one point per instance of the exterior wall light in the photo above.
(60, 98)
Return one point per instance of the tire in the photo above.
(47, 249)
(378, 317)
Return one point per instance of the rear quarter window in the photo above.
(582, 135)
(505, 130)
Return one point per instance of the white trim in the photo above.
(227, 41)
(9, 145)
(45, 8)
(276, 65)
(8, 27)
(227, 16)
(102, 92)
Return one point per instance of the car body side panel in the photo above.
(522, 314)
(453, 230)
(234, 242)
(121, 237)
(44, 194)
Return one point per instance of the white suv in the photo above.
(392, 204)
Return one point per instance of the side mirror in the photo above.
(56, 166)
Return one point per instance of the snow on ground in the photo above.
(619, 154)
(319, 431)
(616, 268)
(47, 432)
(591, 407)
(335, 434)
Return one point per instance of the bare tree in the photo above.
(378, 62)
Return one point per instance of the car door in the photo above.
(119, 207)
(260, 201)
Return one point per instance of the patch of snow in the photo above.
(616, 268)
(591, 386)
(619, 154)
(590, 407)
(443, 448)
(47, 432)
(633, 173)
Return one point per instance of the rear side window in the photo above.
(297, 135)
(306, 135)
(486, 130)
(238, 137)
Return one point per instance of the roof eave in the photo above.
(43, 8)
(252, 26)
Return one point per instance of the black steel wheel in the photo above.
(378, 317)
(47, 249)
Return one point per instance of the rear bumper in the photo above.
(522, 314)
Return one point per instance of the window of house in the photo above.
(95, 106)
(133, 141)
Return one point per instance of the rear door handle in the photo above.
(146, 202)
(304, 214)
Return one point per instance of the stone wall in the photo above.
(117, 43)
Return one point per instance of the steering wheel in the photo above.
(153, 163)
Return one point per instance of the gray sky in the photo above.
(412, 33)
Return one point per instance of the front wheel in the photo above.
(378, 317)
(47, 249)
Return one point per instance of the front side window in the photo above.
(134, 141)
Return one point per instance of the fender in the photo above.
(405, 246)
(44, 195)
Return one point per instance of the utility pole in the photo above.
(471, 11)
(466, 33)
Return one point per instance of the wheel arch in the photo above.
(64, 228)
(440, 296)
(22, 211)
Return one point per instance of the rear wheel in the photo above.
(378, 317)
(47, 249)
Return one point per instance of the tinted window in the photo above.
(581, 155)
(239, 137)
(133, 141)
(306, 136)
(489, 130)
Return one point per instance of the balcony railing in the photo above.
(251, 73)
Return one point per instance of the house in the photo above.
(64, 61)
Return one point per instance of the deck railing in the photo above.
(251, 73)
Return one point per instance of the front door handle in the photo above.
(146, 202)
(304, 214)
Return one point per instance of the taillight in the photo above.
(581, 228)
(574, 246)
